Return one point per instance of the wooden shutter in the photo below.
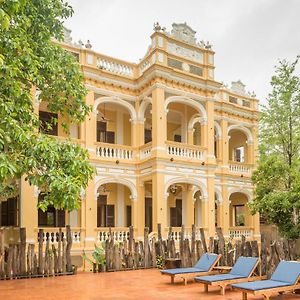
(110, 216)
(110, 137)
(179, 212)
(128, 215)
(148, 136)
(60, 218)
(238, 155)
(173, 217)
(101, 131)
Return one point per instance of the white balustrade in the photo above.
(52, 234)
(145, 65)
(113, 151)
(239, 168)
(238, 233)
(114, 66)
(176, 233)
(117, 234)
(145, 152)
(185, 151)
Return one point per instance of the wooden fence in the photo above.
(52, 257)
(133, 254)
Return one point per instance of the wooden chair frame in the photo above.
(187, 276)
(266, 293)
(223, 283)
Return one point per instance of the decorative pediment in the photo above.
(238, 87)
(182, 31)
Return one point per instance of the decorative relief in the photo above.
(183, 32)
(185, 52)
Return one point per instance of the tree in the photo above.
(29, 61)
(277, 178)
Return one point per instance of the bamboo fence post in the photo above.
(146, 248)
(59, 254)
(203, 240)
(23, 251)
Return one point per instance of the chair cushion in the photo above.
(181, 271)
(244, 266)
(213, 278)
(287, 271)
(206, 261)
(260, 285)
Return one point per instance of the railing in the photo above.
(185, 151)
(240, 168)
(118, 234)
(51, 234)
(145, 151)
(115, 66)
(105, 150)
(238, 232)
(176, 233)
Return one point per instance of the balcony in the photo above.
(184, 151)
(115, 151)
(239, 231)
(145, 151)
(118, 234)
(51, 234)
(240, 168)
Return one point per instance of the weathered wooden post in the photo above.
(59, 254)
(202, 235)
(22, 251)
(221, 245)
(68, 249)
(146, 248)
(41, 257)
(2, 271)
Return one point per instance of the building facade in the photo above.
(169, 143)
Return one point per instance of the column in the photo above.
(120, 206)
(225, 215)
(210, 132)
(159, 122)
(89, 215)
(120, 128)
(28, 210)
(159, 201)
(187, 206)
(190, 136)
(91, 126)
(139, 210)
(224, 142)
(209, 205)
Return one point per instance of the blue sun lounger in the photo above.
(241, 272)
(285, 278)
(204, 266)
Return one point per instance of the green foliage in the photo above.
(160, 262)
(98, 256)
(30, 59)
(277, 178)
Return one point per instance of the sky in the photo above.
(249, 37)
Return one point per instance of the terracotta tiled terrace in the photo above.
(141, 284)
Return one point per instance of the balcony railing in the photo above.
(51, 234)
(114, 151)
(240, 168)
(176, 233)
(115, 66)
(185, 151)
(118, 234)
(145, 151)
(238, 232)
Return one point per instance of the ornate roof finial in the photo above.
(88, 45)
(156, 27)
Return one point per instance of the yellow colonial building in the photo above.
(169, 143)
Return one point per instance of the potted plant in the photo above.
(99, 262)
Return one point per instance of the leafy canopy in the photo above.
(29, 61)
(277, 178)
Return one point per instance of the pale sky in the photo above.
(248, 36)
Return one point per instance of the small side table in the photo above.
(172, 263)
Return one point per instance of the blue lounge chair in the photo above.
(204, 266)
(241, 272)
(285, 278)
